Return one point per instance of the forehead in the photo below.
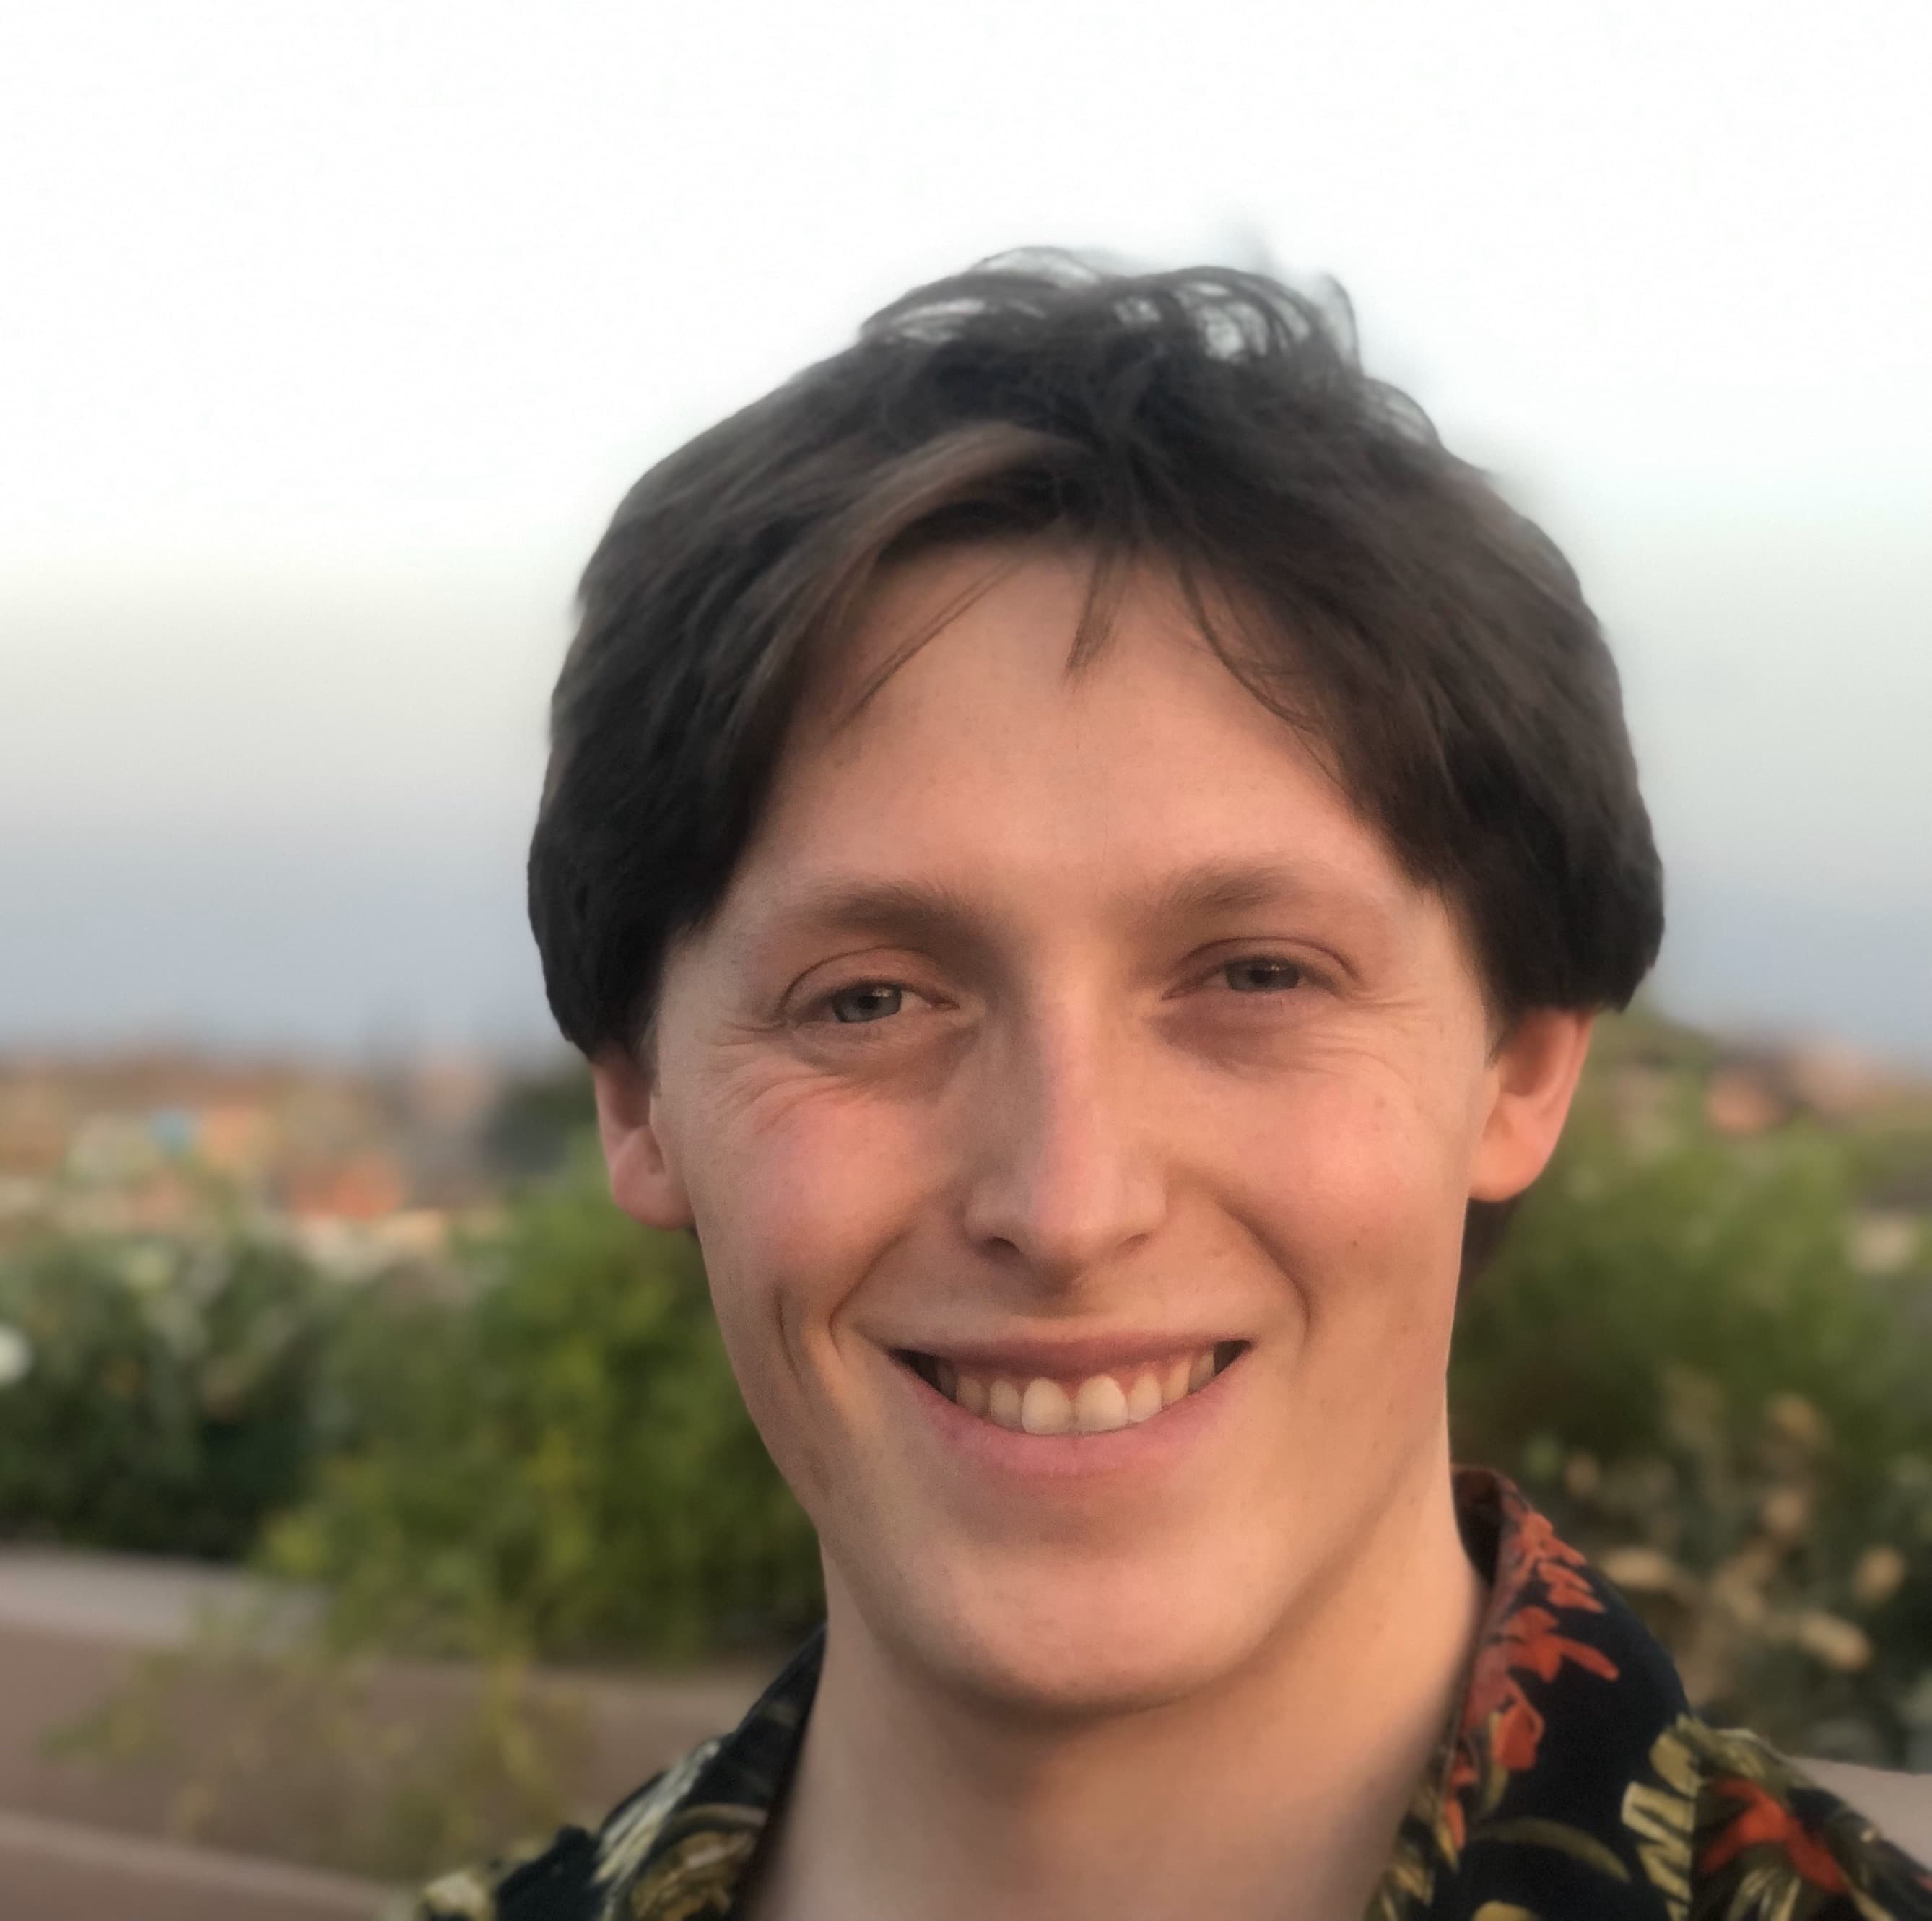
(956, 734)
(988, 651)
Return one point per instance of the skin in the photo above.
(1055, 1015)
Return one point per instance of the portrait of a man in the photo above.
(1084, 846)
(965, 966)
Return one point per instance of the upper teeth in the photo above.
(1093, 1406)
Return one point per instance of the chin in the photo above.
(1094, 1642)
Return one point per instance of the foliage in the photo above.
(158, 1393)
(1676, 1353)
(538, 1119)
(560, 1463)
(356, 1765)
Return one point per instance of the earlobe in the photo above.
(643, 1181)
(1534, 1076)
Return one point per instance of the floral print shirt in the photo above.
(1573, 1784)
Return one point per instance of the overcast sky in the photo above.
(330, 334)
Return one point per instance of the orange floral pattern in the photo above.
(1500, 1729)
(1763, 1820)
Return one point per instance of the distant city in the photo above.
(359, 1169)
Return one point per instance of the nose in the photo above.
(1064, 1174)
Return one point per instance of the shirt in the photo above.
(1573, 1784)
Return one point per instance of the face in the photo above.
(1077, 1106)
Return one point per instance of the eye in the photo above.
(1262, 973)
(865, 1002)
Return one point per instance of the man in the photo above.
(1083, 848)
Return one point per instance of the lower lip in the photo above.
(1145, 1447)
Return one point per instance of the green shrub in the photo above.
(1676, 1354)
(560, 1464)
(160, 1400)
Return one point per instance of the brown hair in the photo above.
(1392, 605)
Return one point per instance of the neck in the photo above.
(1277, 1792)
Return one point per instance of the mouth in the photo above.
(1091, 1403)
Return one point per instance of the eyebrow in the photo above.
(926, 911)
(917, 913)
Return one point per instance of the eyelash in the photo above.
(818, 1011)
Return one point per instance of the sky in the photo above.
(330, 336)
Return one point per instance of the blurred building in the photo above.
(357, 1166)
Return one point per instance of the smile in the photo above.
(1095, 1404)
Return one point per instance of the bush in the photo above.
(560, 1464)
(1676, 1354)
(159, 1397)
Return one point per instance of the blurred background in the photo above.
(329, 338)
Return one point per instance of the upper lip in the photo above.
(1065, 1356)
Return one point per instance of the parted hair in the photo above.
(1376, 591)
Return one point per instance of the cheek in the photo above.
(1359, 1185)
(802, 1180)
(1356, 1203)
(797, 1195)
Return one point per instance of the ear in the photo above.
(1533, 1074)
(643, 1181)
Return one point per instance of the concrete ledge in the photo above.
(136, 1600)
(250, 1766)
(62, 1870)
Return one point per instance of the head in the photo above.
(1083, 847)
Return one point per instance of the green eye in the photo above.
(1262, 975)
(871, 1000)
